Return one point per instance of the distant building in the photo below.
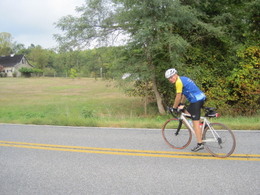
(12, 64)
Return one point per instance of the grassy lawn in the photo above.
(82, 102)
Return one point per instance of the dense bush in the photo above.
(27, 72)
(239, 93)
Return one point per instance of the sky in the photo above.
(32, 21)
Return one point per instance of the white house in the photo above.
(13, 63)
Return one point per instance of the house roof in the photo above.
(9, 61)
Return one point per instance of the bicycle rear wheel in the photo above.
(224, 142)
(175, 134)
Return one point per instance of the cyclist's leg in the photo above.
(195, 110)
(197, 129)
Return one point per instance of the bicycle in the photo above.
(177, 132)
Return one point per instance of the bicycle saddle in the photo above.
(209, 108)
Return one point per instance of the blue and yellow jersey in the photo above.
(187, 87)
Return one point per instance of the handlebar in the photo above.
(174, 112)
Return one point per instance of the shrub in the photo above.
(73, 73)
(243, 83)
(26, 71)
(238, 94)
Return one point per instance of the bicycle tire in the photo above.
(226, 143)
(180, 141)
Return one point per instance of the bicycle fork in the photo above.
(179, 128)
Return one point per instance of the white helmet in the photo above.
(170, 72)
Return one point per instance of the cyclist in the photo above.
(186, 88)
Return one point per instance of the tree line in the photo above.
(216, 43)
(50, 62)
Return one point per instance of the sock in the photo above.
(199, 144)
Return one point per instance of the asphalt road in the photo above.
(78, 160)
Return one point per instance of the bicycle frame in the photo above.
(206, 123)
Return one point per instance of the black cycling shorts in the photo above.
(195, 110)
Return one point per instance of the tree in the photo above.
(5, 44)
(38, 57)
(198, 37)
(153, 26)
(19, 48)
(226, 82)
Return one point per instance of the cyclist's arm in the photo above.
(179, 96)
(177, 100)
(183, 99)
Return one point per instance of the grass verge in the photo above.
(83, 102)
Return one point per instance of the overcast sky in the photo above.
(32, 21)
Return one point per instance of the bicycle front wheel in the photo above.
(219, 141)
(175, 134)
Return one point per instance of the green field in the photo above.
(83, 102)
